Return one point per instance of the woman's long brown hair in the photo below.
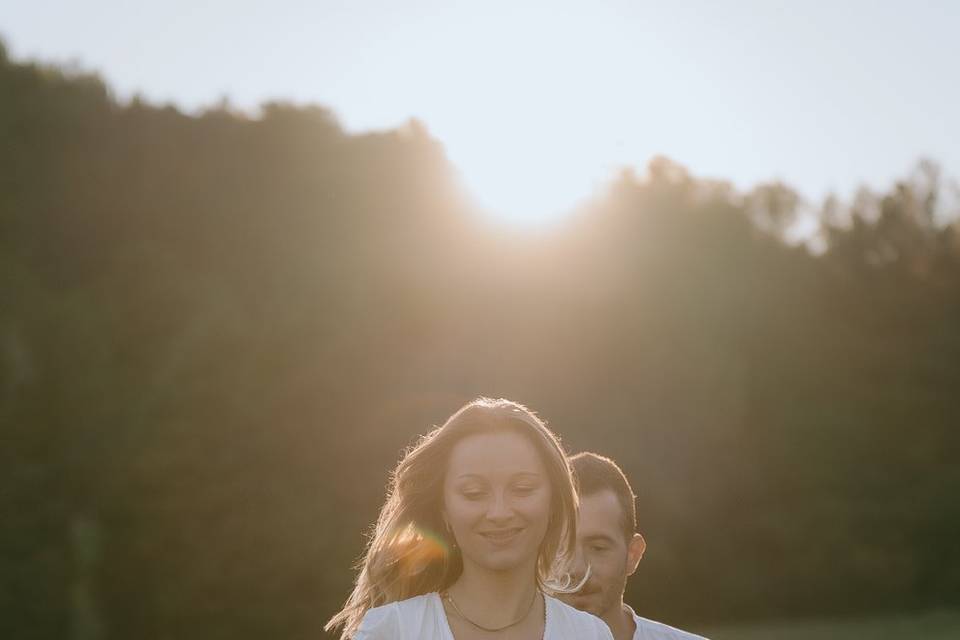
(410, 552)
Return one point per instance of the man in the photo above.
(608, 543)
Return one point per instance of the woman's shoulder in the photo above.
(411, 618)
(379, 622)
(571, 622)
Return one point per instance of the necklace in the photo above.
(446, 596)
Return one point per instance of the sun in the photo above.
(532, 136)
(533, 125)
(523, 173)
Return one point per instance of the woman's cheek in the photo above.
(470, 510)
(541, 502)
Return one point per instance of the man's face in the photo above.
(602, 546)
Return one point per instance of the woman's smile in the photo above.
(502, 537)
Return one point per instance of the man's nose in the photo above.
(579, 568)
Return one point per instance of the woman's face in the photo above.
(496, 499)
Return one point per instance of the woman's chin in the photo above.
(503, 560)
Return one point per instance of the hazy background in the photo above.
(825, 95)
(222, 322)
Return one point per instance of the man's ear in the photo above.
(635, 550)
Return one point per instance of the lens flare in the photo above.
(417, 548)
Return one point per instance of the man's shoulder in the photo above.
(571, 619)
(653, 630)
(568, 614)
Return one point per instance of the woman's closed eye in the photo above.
(524, 489)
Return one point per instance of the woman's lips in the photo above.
(502, 536)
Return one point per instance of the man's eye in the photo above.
(598, 547)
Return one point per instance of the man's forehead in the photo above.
(600, 514)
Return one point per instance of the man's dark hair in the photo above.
(594, 473)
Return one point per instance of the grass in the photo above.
(932, 625)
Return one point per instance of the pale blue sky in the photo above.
(539, 102)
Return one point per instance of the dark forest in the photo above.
(219, 330)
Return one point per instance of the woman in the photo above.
(478, 528)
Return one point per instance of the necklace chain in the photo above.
(446, 596)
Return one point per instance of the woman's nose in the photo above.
(500, 508)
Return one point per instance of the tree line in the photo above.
(219, 330)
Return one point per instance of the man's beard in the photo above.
(594, 600)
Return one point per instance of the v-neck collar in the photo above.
(442, 612)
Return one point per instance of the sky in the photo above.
(541, 103)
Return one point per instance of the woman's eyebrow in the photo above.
(531, 474)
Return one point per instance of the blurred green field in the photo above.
(934, 625)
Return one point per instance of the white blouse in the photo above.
(423, 618)
(651, 630)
